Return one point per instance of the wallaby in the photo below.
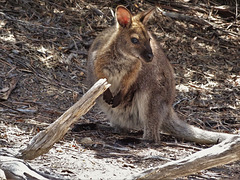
(142, 87)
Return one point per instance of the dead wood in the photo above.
(43, 141)
(14, 168)
(223, 153)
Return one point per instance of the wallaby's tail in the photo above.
(182, 130)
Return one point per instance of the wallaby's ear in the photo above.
(124, 16)
(145, 15)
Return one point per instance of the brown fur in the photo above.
(142, 85)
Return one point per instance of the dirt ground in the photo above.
(43, 54)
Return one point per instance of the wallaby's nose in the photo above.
(147, 54)
(150, 56)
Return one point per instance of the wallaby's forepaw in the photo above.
(107, 97)
(114, 101)
(117, 100)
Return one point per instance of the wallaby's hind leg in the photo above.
(155, 115)
(151, 131)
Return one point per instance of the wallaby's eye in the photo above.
(134, 40)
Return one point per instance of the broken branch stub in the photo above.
(44, 140)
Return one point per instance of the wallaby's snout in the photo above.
(150, 57)
(147, 55)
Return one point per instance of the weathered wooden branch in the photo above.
(226, 152)
(43, 141)
(14, 168)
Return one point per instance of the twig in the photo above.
(179, 101)
(215, 42)
(7, 63)
(183, 146)
(236, 11)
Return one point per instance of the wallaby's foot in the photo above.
(119, 130)
(129, 141)
(151, 136)
(147, 141)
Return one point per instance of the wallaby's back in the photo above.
(96, 47)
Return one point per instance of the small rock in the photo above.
(15, 51)
(86, 141)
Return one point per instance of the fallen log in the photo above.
(226, 152)
(14, 168)
(44, 140)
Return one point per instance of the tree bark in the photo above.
(44, 140)
(226, 152)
